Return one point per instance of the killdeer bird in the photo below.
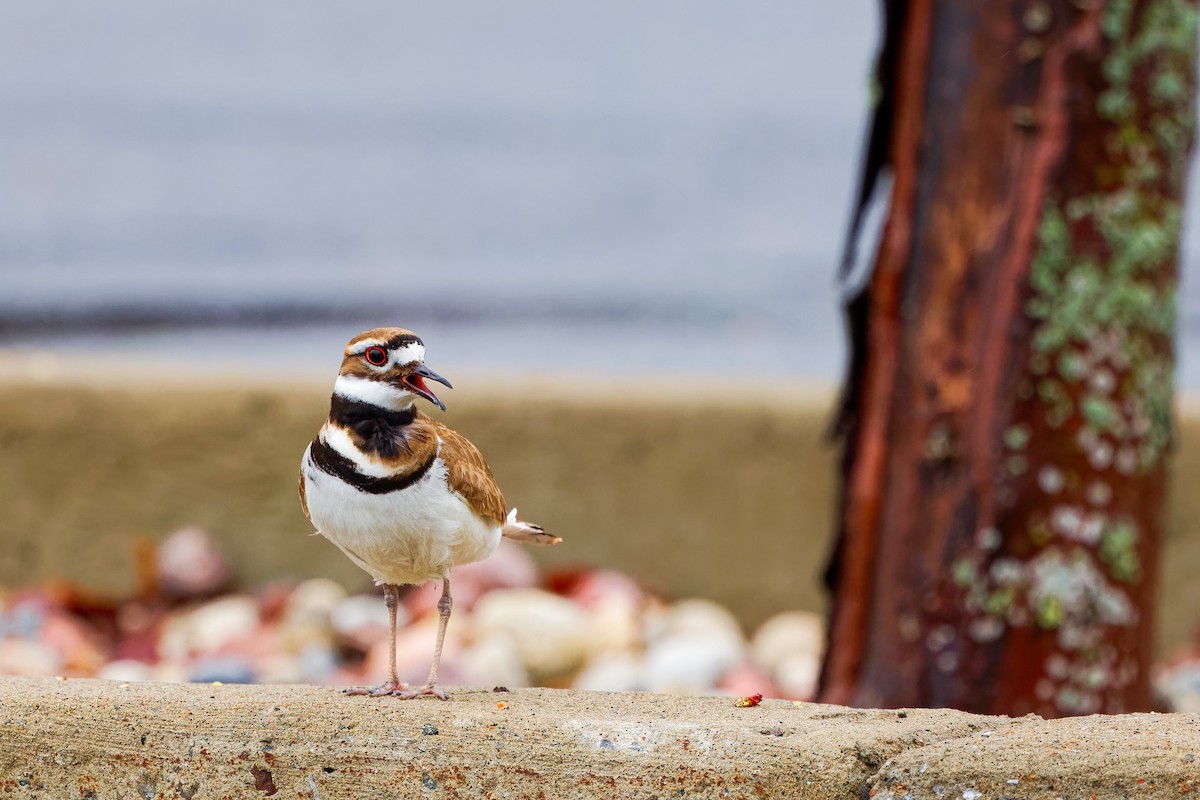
(405, 497)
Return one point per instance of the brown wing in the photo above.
(303, 498)
(469, 475)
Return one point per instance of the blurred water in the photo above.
(585, 187)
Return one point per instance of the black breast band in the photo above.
(334, 463)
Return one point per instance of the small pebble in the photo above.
(25, 620)
(697, 616)
(688, 662)
(362, 619)
(429, 730)
(221, 669)
(208, 628)
(316, 662)
(190, 564)
(788, 634)
(493, 659)
(126, 670)
(550, 633)
(28, 657)
(611, 672)
(308, 611)
(746, 678)
(796, 675)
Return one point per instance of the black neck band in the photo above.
(348, 413)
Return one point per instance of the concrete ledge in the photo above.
(100, 740)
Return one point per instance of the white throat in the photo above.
(377, 393)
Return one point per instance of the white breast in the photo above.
(411, 535)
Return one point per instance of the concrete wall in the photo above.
(727, 500)
(723, 494)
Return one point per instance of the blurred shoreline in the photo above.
(33, 367)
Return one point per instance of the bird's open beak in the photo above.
(415, 381)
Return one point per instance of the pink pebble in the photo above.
(414, 653)
(746, 679)
(593, 585)
(261, 643)
(510, 567)
(81, 653)
(191, 565)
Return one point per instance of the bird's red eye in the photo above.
(376, 356)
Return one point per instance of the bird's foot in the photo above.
(382, 690)
(429, 688)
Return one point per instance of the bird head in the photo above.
(386, 367)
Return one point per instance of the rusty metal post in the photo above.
(1007, 418)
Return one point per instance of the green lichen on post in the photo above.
(1118, 550)
(1111, 317)
(1105, 314)
(1101, 413)
(1050, 612)
(1016, 437)
(1098, 380)
(1108, 313)
(1000, 601)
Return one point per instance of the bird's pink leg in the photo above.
(391, 598)
(431, 687)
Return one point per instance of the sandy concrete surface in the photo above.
(100, 740)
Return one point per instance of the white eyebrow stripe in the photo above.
(361, 347)
(376, 393)
(408, 354)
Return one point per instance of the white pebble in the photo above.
(493, 661)
(689, 662)
(705, 617)
(611, 672)
(361, 619)
(313, 601)
(126, 670)
(785, 635)
(796, 675)
(28, 658)
(208, 628)
(615, 624)
(550, 632)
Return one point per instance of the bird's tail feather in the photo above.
(526, 532)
